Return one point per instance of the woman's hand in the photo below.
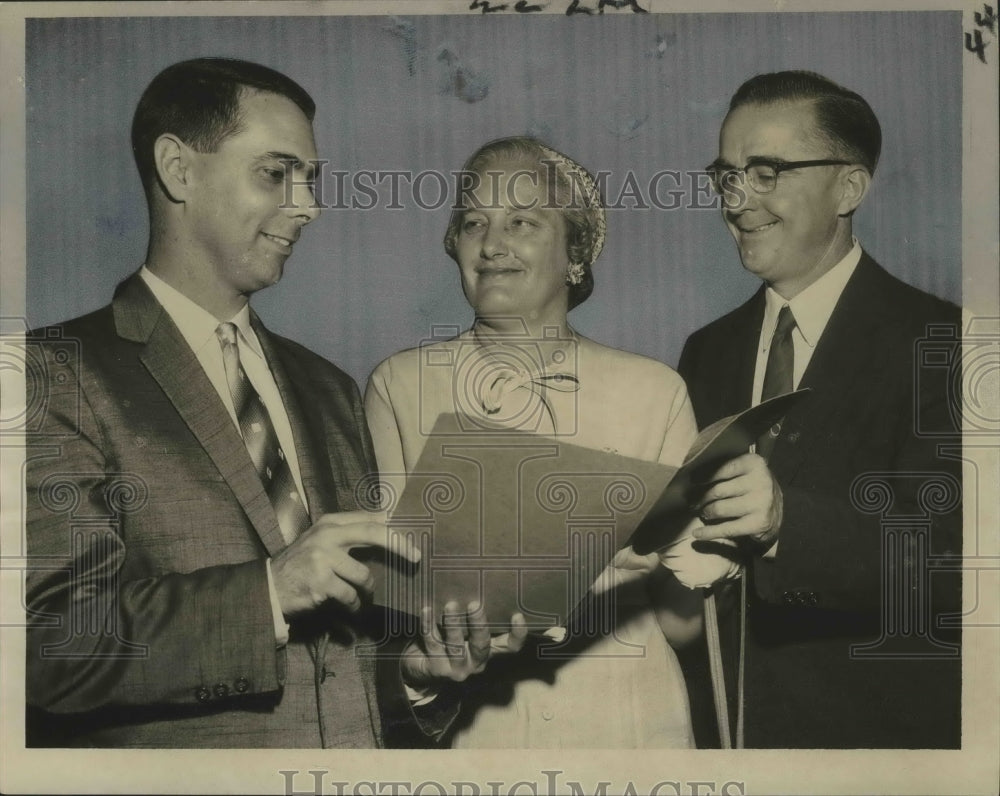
(462, 650)
(627, 566)
(694, 567)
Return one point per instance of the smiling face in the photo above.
(796, 233)
(511, 250)
(238, 229)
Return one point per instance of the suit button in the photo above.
(547, 714)
(242, 685)
(221, 690)
(788, 597)
(202, 694)
(775, 430)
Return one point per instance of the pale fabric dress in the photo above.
(611, 695)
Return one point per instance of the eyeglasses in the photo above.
(761, 175)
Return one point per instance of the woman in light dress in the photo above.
(525, 241)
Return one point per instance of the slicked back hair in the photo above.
(843, 118)
(199, 102)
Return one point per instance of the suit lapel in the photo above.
(170, 361)
(839, 363)
(737, 384)
(307, 430)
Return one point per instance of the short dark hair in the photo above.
(843, 118)
(199, 102)
(584, 215)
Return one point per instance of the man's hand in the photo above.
(318, 566)
(462, 650)
(743, 501)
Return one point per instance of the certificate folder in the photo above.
(521, 522)
(723, 440)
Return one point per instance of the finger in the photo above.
(354, 518)
(743, 526)
(454, 630)
(518, 632)
(404, 545)
(367, 534)
(353, 571)
(343, 593)
(433, 644)
(606, 580)
(479, 635)
(732, 508)
(628, 559)
(736, 467)
(734, 487)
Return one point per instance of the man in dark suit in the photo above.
(193, 487)
(840, 510)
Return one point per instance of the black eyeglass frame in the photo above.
(720, 177)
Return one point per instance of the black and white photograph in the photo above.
(494, 397)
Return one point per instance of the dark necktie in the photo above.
(261, 440)
(778, 376)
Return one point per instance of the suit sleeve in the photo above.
(97, 639)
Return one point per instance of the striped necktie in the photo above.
(779, 373)
(261, 440)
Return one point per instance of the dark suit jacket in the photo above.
(148, 528)
(870, 472)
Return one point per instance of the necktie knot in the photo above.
(786, 323)
(226, 332)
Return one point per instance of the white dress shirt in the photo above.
(811, 309)
(198, 326)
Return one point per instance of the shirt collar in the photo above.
(813, 307)
(196, 324)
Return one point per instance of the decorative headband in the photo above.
(591, 197)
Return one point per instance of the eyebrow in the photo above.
(536, 208)
(724, 165)
(286, 157)
(764, 159)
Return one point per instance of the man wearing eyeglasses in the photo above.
(838, 639)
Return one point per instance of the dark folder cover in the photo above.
(521, 522)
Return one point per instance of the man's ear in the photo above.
(855, 185)
(173, 162)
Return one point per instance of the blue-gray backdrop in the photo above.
(622, 93)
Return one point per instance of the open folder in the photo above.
(521, 522)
